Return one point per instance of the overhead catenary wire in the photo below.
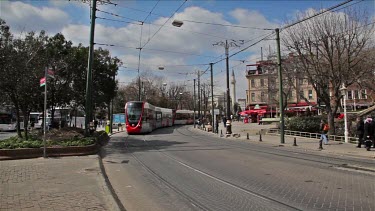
(119, 16)
(151, 49)
(228, 25)
(164, 23)
(317, 14)
(108, 19)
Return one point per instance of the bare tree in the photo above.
(331, 50)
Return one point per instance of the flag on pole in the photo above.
(42, 81)
(50, 73)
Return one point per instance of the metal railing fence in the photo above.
(309, 135)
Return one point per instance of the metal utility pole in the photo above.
(226, 46)
(199, 95)
(212, 98)
(228, 90)
(281, 103)
(88, 104)
(111, 113)
(204, 101)
(45, 115)
(194, 103)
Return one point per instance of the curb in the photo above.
(119, 205)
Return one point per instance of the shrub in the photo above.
(304, 124)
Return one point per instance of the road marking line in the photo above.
(217, 179)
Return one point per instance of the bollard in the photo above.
(295, 141)
(260, 137)
(247, 137)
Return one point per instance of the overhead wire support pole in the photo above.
(212, 98)
(194, 104)
(199, 95)
(88, 104)
(227, 69)
(281, 97)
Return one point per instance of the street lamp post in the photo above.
(343, 90)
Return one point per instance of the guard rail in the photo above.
(310, 135)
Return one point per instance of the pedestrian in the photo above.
(324, 128)
(260, 120)
(95, 124)
(217, 125)
(224, 121)
(368, 133)
(360, 131)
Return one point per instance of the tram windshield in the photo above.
(134, 112)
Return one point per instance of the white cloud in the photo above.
(191, 38)
(24, 17)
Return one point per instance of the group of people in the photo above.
(366, 132)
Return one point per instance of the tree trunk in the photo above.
(25, 122)
(18, 122)
(331, 122)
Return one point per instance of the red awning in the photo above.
(254, 111)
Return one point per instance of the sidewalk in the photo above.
(303, 144)
(65, 183)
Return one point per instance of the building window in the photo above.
(261, 82)
(363, 94)
(301, 94)
(310, 94)
(252, 83)
(252, 97)
(262, 97)
(350, 95)
(356, 94)
(290, 94)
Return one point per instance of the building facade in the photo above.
(263, 89)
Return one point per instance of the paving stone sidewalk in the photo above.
(65, 183)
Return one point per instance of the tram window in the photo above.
(134, 112)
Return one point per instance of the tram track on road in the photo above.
(193, 201)
(333, 161)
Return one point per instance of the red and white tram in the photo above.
(184, 117)
(142, 117)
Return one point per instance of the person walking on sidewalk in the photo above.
(368, 133)
(360, 131)
(323, 127)
(224, 121)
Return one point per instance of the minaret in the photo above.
(233, 95)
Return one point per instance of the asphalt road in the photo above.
(179, 168)
(5, 135)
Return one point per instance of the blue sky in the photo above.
(191, 44)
